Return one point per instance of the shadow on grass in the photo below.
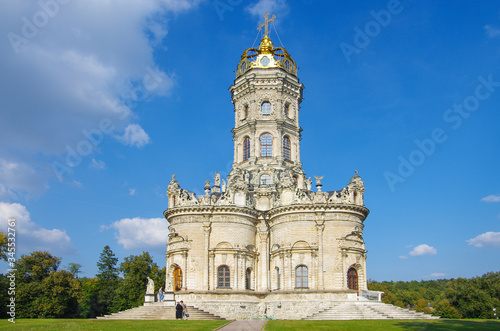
(384, 325)
(446, 325)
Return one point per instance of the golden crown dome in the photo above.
(266, 56)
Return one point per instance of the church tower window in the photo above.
(301, 277)
(286, 148)
(266, 108)
(352, 279)
(266, 145)
(246, 149)
(223, 277)
(265, 180)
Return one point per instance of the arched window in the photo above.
(248, 279)
(246, 149)
(266, 145)
(301, 277)
(177, 279)
(286, 148)
(265, 180)
(266, 108)
(223, 277)
(352, 279)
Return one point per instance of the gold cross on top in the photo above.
(267, 20)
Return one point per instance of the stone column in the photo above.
(236, 271)
(344, 271)
(320, 227)
(206, 279)
(289, 271)
(212, 272)
(185, 271)
(282, 272)
(264, 254)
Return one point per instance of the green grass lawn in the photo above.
(79, 324)
(374, 325)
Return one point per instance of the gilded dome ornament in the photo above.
(267, 56)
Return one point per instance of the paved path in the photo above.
(244, 326)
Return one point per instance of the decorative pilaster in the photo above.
(213, 272)
(206, 266)
(236, 271)
(185, 271)
(320, 227)
(264, 260)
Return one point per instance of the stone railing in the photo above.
(372, 295)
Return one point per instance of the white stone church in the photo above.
(266, 242)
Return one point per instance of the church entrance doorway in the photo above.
(352, 279)
(177, 279)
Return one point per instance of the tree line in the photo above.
(45, 290)
(449, 298)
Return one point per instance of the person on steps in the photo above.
(179, 311)
(185, 314)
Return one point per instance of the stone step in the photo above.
(158, 311)
(366, 310)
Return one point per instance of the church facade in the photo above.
(263, 242)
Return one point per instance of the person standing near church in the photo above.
(184, 310)
(160, 294)
(179, 311)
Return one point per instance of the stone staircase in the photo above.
(158, 311)
(364, 310)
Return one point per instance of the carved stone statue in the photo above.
(150, 289)
(217, 179)
(223, 187)
(318, 180)
(309, 183)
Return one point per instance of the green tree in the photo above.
(42, 290)
(468, 298)
(74, 269)
(3, 246)
(445, 310)
(36, 266)
(107, 281)
(136, 269)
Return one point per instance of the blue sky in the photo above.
(118, 97)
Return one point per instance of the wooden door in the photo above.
(177, 279)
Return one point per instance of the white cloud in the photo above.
(137, 233)
(132, 191)
(403, 257)
(491, 198)
(279, 8)
(491, 31)
(423, 249)
(438, 274)
(97, 164)
(134, 136)
(488, 239)
(18, 177)
(32, 236)
(91, 60)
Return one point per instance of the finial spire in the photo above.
(267, 20)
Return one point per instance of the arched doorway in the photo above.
(352, 279)
(177, 279)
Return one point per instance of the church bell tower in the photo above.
(266, 96)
